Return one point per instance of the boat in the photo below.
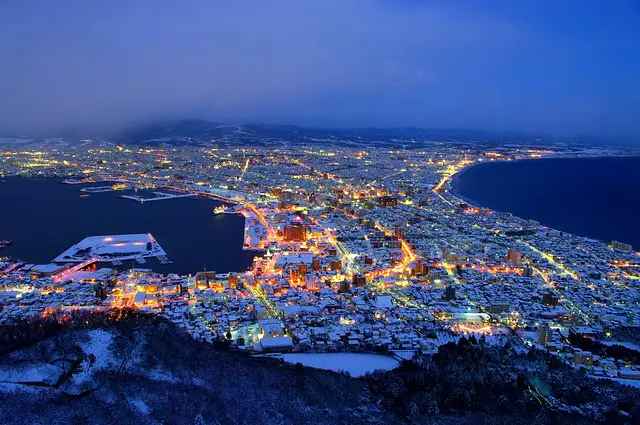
(6, 242)
(220, 209)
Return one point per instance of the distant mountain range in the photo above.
(197, 131)
(200, 132)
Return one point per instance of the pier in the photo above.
(164, 259)
(160, 196)
(97, 189)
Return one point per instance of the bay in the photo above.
(44, 217)
(593, 197)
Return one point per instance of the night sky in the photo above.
(565, 67)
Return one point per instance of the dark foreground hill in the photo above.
(146, 371)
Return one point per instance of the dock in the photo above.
(97, 189)
(164, 259)
(160, 196)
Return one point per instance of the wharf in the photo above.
(160, 196)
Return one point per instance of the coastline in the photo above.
(175, 233)
(454, 179)
(453, 187)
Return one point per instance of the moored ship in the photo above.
(221, 209)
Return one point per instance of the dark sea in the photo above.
(44, 217)
(594, 197)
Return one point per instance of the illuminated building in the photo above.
(294, 276)
(310, 282)
(387, 201)
(139, 272)
(528, 271)
(203, 278)
(359, 280)
(46, 270)
(315, 264)
(514, 256)
(621, 246)
(545, 335)
(335, 265)
(270, 328)
(233, 280)
(101, 292)
(420, 269)
(139, 299)
(583, 357)
(398, 231)
(344, 286)
(295, 232)
(433, 274)
(284, 199)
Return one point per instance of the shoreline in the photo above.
(454, 181)
(175, 238)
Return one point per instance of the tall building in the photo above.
(285, 196)
(101, 292)
(549, 299)
(294, 276)
(233, 280)
(311, 282)
(420, 269)
(295, 232)
(315, 264)
(514, 256)
(621, 246)
(450, 293)
(335, 265)
(528, 271)
(359, 280)
(344, 286)
(545, 335)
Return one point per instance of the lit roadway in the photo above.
(564, 270)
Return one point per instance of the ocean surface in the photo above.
(594, 197)
(44, 217)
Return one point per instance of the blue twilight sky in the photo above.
(563, 66)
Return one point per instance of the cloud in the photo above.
(402, 62)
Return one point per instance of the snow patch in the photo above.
(356, 364)
(140, 406)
